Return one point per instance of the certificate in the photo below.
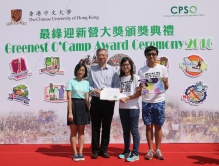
(109, 94)
(152, 85)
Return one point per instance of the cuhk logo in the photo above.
(16, 18)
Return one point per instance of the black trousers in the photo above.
(101, 112)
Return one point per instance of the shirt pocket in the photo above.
(108, 80)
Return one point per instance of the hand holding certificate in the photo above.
(121, 95)
(109, 94)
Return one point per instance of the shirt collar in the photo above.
(106, 67)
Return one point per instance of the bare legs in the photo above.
(81, 138)
(149, 136)
(77, 129)
(158, 136)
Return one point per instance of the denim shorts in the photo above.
(153, 113)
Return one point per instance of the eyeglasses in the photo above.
(103, 55)
(81, 70)
(149, 54)
(123, 65)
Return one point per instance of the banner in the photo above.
(42, 41)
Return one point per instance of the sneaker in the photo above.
(81, 157)
(125, 154)
(149, 155)
(75, 157)
(158, 155)
(133, 157)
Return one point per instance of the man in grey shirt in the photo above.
(101, 111)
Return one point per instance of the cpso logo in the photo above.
(183, 9)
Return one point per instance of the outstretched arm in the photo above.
(136, 95)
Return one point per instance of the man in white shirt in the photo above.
(153, 103)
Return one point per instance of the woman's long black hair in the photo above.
(121, 74)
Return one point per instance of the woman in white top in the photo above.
(129, 109)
